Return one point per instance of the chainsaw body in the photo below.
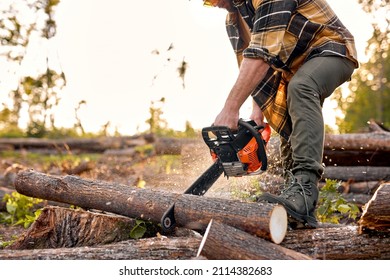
(242, 152)
(236, 154)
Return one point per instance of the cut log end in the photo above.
(205, 235)
(278, 224)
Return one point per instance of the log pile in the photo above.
(358, 157)
(214, 228)
(264, 220)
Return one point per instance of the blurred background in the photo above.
(117, 67)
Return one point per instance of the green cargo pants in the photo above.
(306, 92)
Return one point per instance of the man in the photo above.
(292, 55)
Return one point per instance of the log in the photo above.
(339, 243)
(262, 219)
(357, 173)
(342, 150)
(373, 141)
(58, 227)
(223, 242)
(355, 158)
(365, 187)
(97, 144)
(376, 213)
(156, 248)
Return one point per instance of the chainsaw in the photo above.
(235, 153)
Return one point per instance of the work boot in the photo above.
(299, 198)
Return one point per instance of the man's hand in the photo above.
(227, 117)
(257, 115)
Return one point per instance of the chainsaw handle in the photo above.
(261, 153)
(219, 133)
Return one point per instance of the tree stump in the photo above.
(58, 227)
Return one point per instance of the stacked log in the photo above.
(361, 157)
(225, 229)
(265, 220)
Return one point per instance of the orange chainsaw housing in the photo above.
(248, 155)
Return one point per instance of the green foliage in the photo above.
(164, 164)
(22, 25)
(143, 229)
(332, 207)
(249, 189)
(5, 243)
(159, 126)
(370, 85)
(370, 89)
(11, 131)
(20, 210)
(145, 150)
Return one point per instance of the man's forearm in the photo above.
(252, 71)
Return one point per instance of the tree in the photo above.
(23, 24)
(370, 86)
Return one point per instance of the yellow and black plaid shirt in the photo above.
(285, 33)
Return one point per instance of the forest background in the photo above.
(164, 70)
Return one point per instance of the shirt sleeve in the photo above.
(239, 34)
(270, 22)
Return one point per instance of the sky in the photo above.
(105, 48)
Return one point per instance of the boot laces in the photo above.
(294, 187)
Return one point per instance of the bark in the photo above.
(62, 227)
(157, 248)
(355, 158)
(339, 243)
(223, 242)
(376, 213)
(373, 141)
(357, 173)
(191, 211)
(98, 144)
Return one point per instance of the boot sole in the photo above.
(307, 220)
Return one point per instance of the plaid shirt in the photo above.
(285, 33)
